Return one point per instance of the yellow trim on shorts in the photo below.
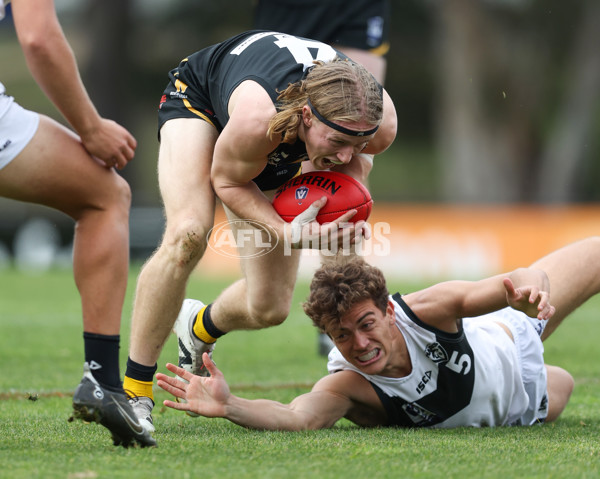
(189, 106)
(181, 88)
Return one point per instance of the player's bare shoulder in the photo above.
(251, 109)
(250, 100)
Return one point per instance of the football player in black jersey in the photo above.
(358, 28)
(237, 120)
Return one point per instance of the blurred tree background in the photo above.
(497, 100)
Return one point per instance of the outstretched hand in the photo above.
(206, 396)
(532, 301)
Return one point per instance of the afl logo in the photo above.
(301, 194)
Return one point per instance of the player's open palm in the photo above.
(206, 396)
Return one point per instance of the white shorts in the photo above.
(526, 333)
(17, 127)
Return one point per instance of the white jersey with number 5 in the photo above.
(470, 378)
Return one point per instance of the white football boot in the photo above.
(190, 347)
(142, 407)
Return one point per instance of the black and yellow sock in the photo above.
(138, 379)
(205, 330)
(102, 355)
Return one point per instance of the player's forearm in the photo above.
(456, 299)
(53, 65)
(250, 203)
(264, 414)
(475, 298)
(484, 297)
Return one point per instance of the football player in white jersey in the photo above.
(43, 162)
(460, 353)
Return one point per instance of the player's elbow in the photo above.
(33, 44)
(222, 186)
(308, 423)
(389, 130)
(385, 135)
(38, 50)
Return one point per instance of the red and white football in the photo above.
(343, 193)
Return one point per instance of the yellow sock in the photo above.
(133, 388)
(199, 330)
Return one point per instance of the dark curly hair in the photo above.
(335, 288)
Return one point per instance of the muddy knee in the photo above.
(185, 243)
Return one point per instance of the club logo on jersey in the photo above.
(436, 353)
(417, 414)
(277, 156)
(301, 194)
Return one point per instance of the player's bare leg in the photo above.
(184, 178)
(560, 386)
(55, 170)
(574, 273)
(263, 297)
(185, 157)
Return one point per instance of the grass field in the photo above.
(41, 355)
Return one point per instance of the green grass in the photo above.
(40, 364)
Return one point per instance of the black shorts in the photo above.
(185, 97)
(362, 24)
